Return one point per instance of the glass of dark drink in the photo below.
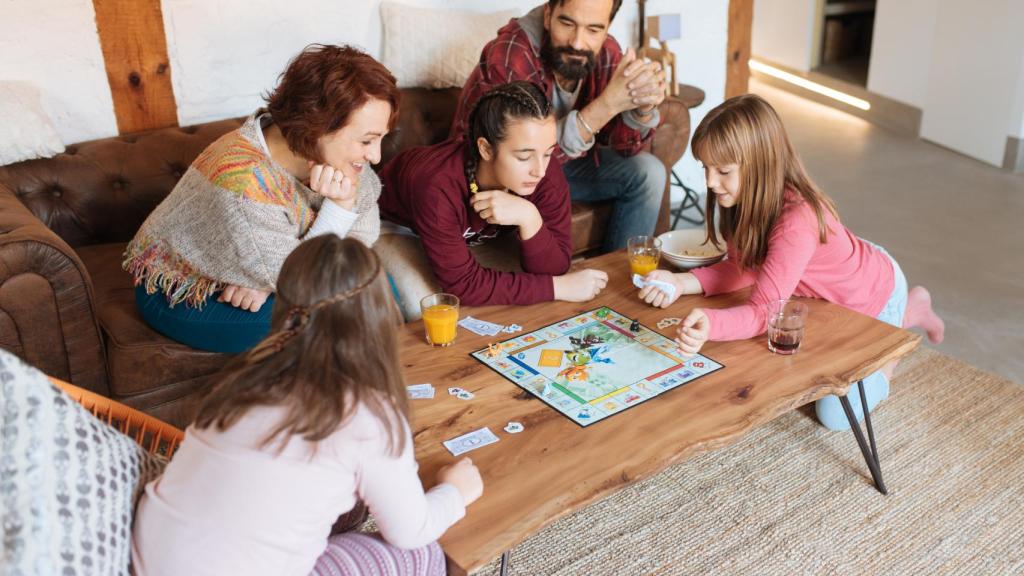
(786, 320)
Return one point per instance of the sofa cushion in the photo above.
(139, 360)
(436, 48)
(26, 131)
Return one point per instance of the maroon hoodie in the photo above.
(425, 189)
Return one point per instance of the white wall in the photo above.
(901, 49)
(1017, 117)
(784, 32)
(53, 45)
(974, 77)
(701, 55)
(224, 55)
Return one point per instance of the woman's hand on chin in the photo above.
(339, 185)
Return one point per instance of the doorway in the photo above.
(844, 30)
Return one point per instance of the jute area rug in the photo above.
(795, 498)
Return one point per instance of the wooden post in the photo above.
(138, 71)
(741, 21)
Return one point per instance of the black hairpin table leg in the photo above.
(870, 452)
(504, 563)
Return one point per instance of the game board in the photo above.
(593, 365)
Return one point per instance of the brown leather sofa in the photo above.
(68, 308)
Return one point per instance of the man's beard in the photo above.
(569, 69)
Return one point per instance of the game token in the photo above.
(602, 313)
(635, 326)
(493, 350)
(464, 395)
(513, 427)
(454, 391)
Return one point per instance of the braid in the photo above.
(491, 114)
(298, 318)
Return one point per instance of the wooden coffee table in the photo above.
(555, 467)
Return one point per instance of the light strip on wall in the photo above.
(812, 86)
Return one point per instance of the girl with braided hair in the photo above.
(300, 431)
(500, 180)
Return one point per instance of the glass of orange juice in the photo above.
(644, 254)
(441, 318)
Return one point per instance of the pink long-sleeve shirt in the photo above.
(226, 506)
(845, 270)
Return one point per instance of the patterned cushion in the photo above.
(68, 482)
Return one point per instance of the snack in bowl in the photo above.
(686, 249)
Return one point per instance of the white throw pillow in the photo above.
(25, 129)
(436, 48)
(68, 482)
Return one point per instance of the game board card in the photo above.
(471, 441)
(591, 366)
(454, 391)
(465, 395)
(667, 288)
(551, 358)
(420, 391)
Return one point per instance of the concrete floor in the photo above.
(955, 225)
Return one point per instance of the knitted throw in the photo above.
(232, 219)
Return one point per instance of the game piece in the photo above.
(634, 326)
(514, 427)
(589, 368)
(471, 441)
(551, 358)
(512, 329)
(454, 391)
(465, 395)
(420, 391)
(668, 322)
(493, 350)
(602, 313)
(666, 287)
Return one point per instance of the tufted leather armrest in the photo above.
(100, 191)
(47, 313)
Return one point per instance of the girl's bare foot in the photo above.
(919, 314)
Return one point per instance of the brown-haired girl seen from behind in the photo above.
(206, 260)
(297, 432)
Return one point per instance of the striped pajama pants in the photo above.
(352, 553)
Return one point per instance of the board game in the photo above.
(594, 364)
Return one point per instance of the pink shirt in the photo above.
(845, 270)
(225, 506)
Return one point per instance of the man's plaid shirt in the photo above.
(511, 56)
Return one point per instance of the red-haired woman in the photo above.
(206, 260)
